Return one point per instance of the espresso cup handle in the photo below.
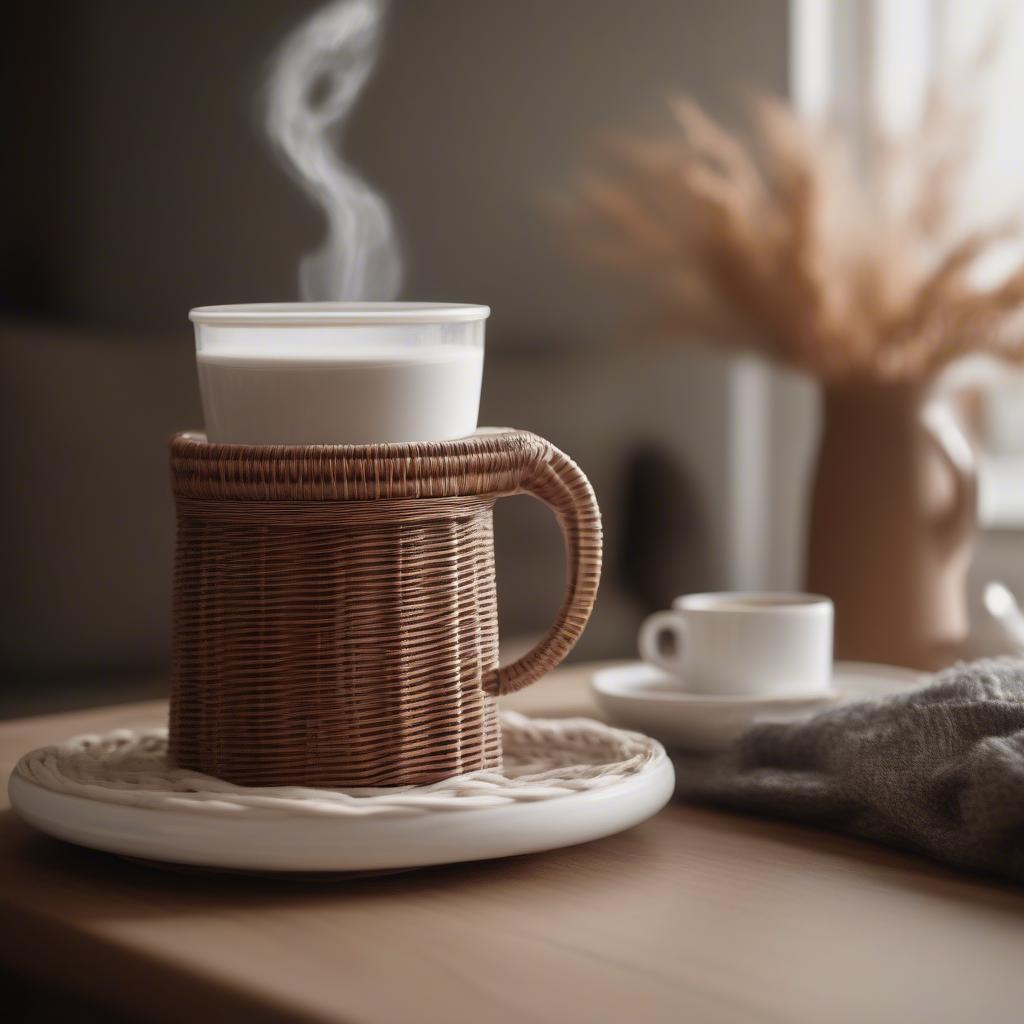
(652, 632)
(558, 482)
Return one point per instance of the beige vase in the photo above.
(893, 513)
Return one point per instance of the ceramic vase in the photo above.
(893, 514)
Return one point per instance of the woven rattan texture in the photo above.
(335, 606)
(544, 760)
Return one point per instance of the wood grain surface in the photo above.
(694, 916)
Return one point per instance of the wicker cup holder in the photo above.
(335, 610)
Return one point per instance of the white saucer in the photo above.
(641, 697)
(564, 782)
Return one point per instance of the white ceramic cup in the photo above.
(339, 372)
(743, 644)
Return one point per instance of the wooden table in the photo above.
(695, 916)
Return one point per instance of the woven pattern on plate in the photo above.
(543, 760)
(335, 613)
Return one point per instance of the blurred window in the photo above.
(873, 60)
(995, 190)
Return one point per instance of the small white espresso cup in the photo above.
(744, 644)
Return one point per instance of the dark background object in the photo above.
(663, 524)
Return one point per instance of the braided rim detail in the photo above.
(543, 760)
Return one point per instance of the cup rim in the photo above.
(341, 314)
(762, 602)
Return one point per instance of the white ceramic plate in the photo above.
(364, 844)
(641, 697)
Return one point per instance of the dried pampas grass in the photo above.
(790, 247)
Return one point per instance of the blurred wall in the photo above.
(142, 187)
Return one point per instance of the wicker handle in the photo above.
(557, 481)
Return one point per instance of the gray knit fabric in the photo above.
(939, 770)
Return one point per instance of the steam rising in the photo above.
(315, 79)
